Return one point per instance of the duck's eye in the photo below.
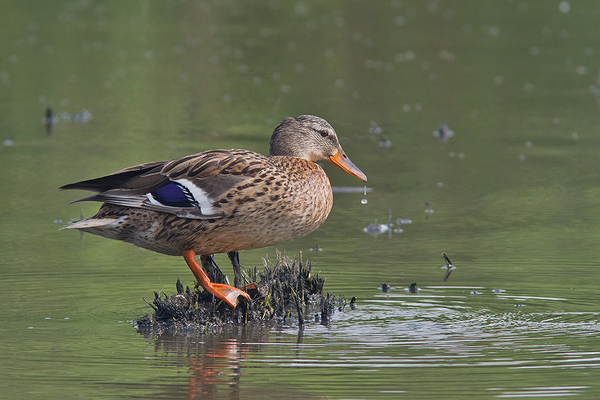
(324, 133)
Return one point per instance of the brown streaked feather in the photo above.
(215, 172)
(215, 162)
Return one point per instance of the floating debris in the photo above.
(385, 287)
(49, 120)
(449, 267)
(595, 91)
(376, 229)
(374, 129)
(82, 117)
(316, 249)
(385, 143)
(413, 288)
(428, 210)
(443, 133)
(283, 290)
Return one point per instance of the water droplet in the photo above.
(365, 190)
(364, 201)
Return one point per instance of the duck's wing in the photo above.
(186, 187)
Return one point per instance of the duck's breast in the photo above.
(286, 201)
(302, 199)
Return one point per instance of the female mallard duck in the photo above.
(222, 201)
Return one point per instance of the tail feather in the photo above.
(90, 224)
(115, 180)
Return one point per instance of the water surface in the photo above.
(512, 197)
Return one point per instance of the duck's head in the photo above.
(313, 139)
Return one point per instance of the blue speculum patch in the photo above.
(172, 195)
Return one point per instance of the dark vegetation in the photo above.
(286, 291)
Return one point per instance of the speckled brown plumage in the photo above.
(277, 202)
(222, 200)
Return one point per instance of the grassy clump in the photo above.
(286, 290)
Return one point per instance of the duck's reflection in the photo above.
(217, 369)
(215, 359)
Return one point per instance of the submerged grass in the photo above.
(286, 291)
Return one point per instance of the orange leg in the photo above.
(226, 293)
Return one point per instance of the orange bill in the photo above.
(341, 160)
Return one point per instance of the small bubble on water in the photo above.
(364, 201)
(564, 7)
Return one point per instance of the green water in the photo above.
(515, 193)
